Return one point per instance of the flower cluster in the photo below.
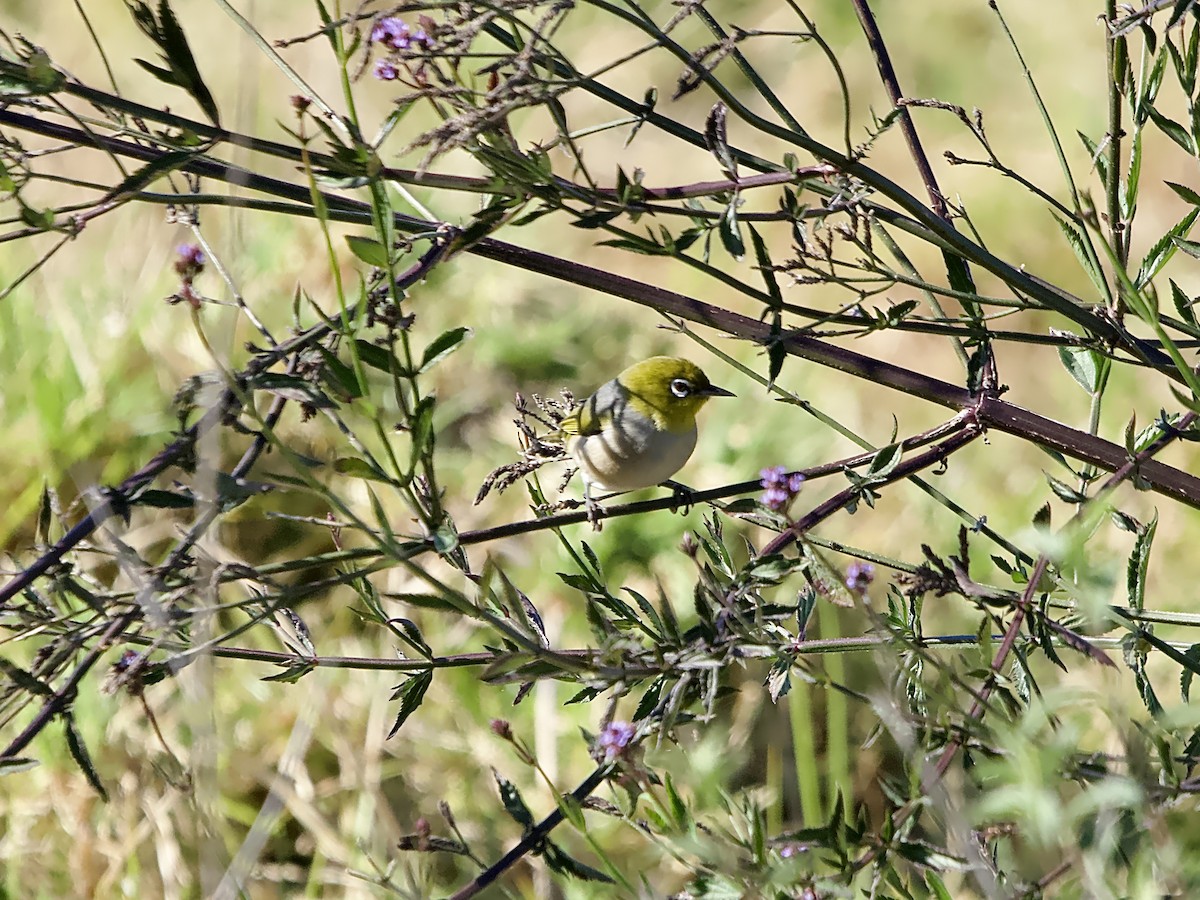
(190, 261)
(779, 487)
(615, 737)
(396, 35)
(859, 576)
(188, 264)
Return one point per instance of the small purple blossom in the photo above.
(385, 70)
(859, 576)
(615, 737)
(392, 32)
(779, 487)
(190, 260)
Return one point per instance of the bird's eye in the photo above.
(680, 387)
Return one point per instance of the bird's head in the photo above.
(669, 390)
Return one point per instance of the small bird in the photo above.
(639, 429)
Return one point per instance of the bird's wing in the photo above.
(593, 413)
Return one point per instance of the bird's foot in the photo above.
(594, 509)
(683, 498)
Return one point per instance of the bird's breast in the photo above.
(631, 453)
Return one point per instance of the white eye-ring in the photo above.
(680, 387)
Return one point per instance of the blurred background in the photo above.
(93, 356)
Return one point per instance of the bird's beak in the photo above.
(713, 391)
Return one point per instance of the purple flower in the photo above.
(190, 260)
(393, 33)
(385, 70)
(779, 487)
(615, 737)
(859, 576)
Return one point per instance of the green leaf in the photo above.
(422, 430)
(13, 764)
(1083, 365)
(340, 374)
(1064, 491)
(291, 387)
(162, 165)
(410, 694)
(360, 468)
(1098, 158)
(1186, 674)
(513, 804)
(378, 358)
(716, 139)
(1185, 193)
(885, 461)
(558, 860)
(731, 232)
(291, 674)
(1139, 564)
(368, 250)
(79, 753)
(597, 218)
(1173, 130)
(442, 346)
(1183, 304)
(182, 71)
(1164, 248)
(1191, 248)
(1079, 246)
(159, 499)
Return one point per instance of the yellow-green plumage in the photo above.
(639, 429)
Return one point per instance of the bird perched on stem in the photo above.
(639, 429)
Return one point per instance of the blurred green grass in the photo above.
(93, 356)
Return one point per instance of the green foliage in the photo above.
(491, 694)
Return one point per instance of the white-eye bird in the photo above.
(639, 429)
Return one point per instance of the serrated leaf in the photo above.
(1183, 304)
(1186, 675)
(1097, 157)
(442, 346)
(1185, 193)
(163, 165)
(558, 860)
(182, 70)
(731, 232)
(1063, 490)
(1139, 564)
(1083, 365)
(1079, 247)
(1191, 248)
(410, 694)
(1172, 129)
(885, 461)
(513, 804)
(716, 139)
(596, 218)
(1164, 248)
(83, 759)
